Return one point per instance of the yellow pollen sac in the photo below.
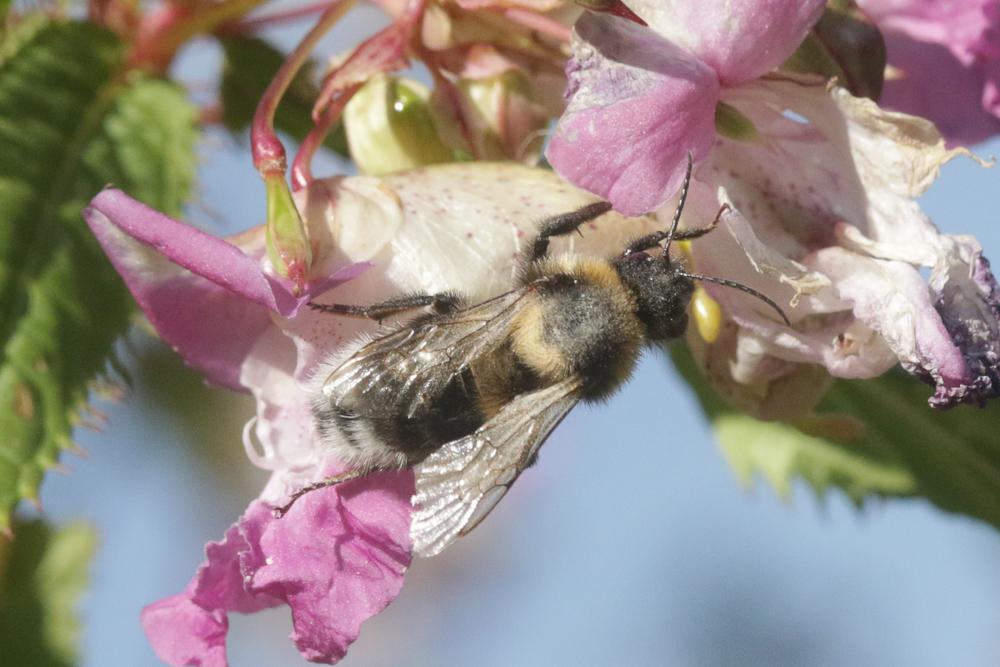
(684, 247)
(707, 314)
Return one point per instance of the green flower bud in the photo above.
(285, 235)
(390, 127)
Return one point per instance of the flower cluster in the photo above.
(821, 190)
(339, 555)
(822, 187)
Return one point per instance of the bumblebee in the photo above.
(465, 394)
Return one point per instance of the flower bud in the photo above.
(287, 242)
(503, 117)
(390, 127)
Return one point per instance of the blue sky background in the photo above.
(631, 542)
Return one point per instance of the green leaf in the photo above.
(70, 123)
(250, 65)
(869, 438)
(42, 574)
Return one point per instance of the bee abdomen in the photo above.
(380, 429)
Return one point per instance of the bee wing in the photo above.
(410, 367)
(460, 483)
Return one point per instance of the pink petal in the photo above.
(336, 564)
(893, 299)
(638, 105)
(934, 84)
(739, 39)
(336, 559)
(190, 628)
(183, 633)
(947, 61)
(961, 25)
(204, 295)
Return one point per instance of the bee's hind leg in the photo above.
(444, 302)
(279, 512)
(559, 225)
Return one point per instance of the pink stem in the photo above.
(383, 52)
(302, 164)
(268, 152)
(539, 23)
(258, 22)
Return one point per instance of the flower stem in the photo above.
(268, 153)
(164, 30)
(302, 164)
(254, 24)
(287, 238)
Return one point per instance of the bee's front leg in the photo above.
(652, 240)
(444, 302)
(559, 225)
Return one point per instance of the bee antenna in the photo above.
(680, 205)
(741, 287)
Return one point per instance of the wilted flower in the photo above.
(825, 218)
(339, 555)
(944, 60)
(822, 187)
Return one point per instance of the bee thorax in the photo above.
(581, 324)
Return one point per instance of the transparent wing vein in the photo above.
(461, 482)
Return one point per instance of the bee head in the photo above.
(662, 289)
(662, 292)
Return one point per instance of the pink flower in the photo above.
(823, 189)
(642, 98)
(339, 556)
(825, 219)
(945, 60)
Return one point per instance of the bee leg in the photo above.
(559, 225)
(322, 484)
(652, 240)
(444, 302)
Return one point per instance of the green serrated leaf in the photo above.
(70, 123)
(250, 64)
(869, 438)
(42, 575)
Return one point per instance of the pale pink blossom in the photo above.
(823, 190)
(944, 58)
(642, 98)
(825, 219)
(340, 554)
